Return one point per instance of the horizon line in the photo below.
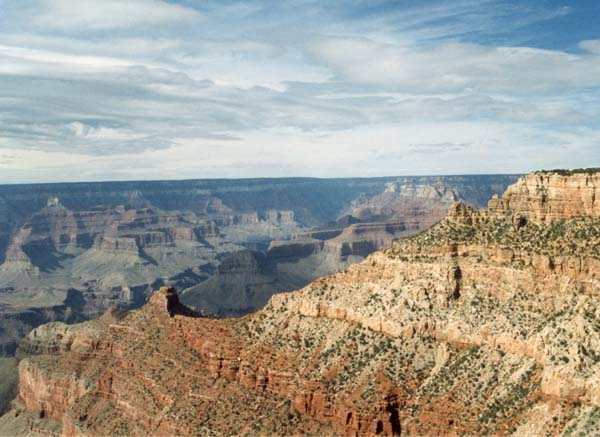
(116, 181)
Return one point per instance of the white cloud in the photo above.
(370, 150)
(106, 106)
(456, 67)
(130, 47)
(111, 89)
(110, 14)
(21, 60)
(591, 45)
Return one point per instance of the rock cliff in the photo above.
(46, 231)
(547, 196)
(71, 251)
(482, 325)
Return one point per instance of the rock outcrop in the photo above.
(403, 201)
(482, 325)
(70, 251)
(543, 197)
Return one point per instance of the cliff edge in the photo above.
(547, 196)
(486, 324)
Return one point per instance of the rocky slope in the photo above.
(403, 208)
(70, 251)
(147, 233)
(484, 324)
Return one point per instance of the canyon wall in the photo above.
(484, 324)
(71, 251)
(544, 197)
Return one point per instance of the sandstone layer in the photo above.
(486, 324)
(552, 196)
(70, 251)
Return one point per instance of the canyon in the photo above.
(69, 252)
(487, 323)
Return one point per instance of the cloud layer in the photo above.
(94, 15)
(149, 89)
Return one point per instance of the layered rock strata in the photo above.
(110, 244)
(544, 196)
(482, 325)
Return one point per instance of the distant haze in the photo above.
(156, 89)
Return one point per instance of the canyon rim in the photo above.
(486, 323)
(299, 218)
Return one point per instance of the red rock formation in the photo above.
(550, 196)
(479, 326)
(48, 393)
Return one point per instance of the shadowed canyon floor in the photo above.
(486, 324)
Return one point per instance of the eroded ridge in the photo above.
(487, 323)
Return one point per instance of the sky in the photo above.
(156, 89)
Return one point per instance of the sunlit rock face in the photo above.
(481, 325)
(71, 251)
(542, 197)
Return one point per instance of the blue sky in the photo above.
(153, 89)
